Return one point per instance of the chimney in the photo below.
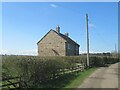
(67, 34)
(58, 29)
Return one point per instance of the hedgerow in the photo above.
(34, 70)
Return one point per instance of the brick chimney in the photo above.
(67, 34)
(58, 29)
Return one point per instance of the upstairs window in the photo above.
(68, 46)
(76, 49)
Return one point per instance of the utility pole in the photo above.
(87, 40)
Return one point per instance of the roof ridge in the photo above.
(69, 39)
(66, 38)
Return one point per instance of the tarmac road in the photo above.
(104, 77)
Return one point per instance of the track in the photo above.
(104, 77)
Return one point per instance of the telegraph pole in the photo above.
(87, 40)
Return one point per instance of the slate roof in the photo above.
(68, 39)
(63, 36)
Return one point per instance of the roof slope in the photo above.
(66, 38)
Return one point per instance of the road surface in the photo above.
(104, 77)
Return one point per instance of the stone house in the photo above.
(55, 43)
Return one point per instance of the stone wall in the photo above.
(52, 45)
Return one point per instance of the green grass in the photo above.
(80, 78)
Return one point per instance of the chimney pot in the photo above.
(67, 34)
(58, 29)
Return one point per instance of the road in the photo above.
(104, 77)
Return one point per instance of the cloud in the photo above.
(83, 52)
(21, 52)
(3, 51)
(92, 25)
(27, 52)
(53, 5)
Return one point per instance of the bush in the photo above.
(34, 70)
(103, 60)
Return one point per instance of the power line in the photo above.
(100, 36)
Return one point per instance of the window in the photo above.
(76, 49)
(68, 46)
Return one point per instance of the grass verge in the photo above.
(74, 83)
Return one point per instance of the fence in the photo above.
(17, 82)
(11, 82)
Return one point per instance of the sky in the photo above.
(25, 23)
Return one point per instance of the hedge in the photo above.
(34, 70)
